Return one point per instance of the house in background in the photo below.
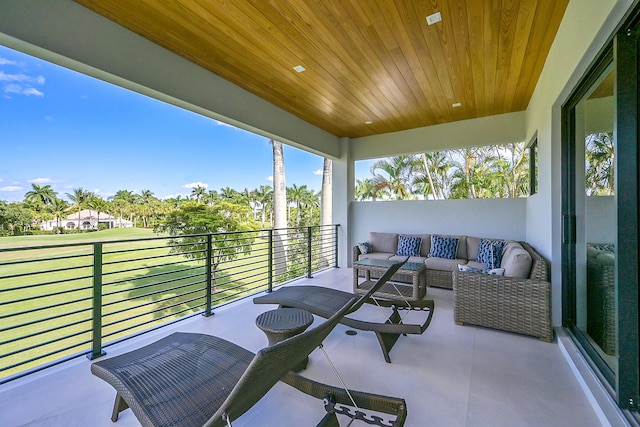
(87, 220)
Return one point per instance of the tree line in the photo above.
(468, 173)
(144, 209)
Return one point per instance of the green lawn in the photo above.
(141, 288)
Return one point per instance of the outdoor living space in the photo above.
(449, 376)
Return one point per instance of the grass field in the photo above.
(46, 291)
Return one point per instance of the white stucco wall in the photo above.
(492, 218)
(498, 129)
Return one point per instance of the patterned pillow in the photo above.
(490, 252)
(409, 246)
(492, 272)
(365, 247)
(444, 247)
(468, 269)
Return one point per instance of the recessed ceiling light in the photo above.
(456, 105)
(432, 19)
(299, 68)
(368, 122)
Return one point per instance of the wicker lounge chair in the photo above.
(325, 302)
(190, 379)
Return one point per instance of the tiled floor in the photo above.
(449, 376)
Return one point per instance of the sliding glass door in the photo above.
(600, 216)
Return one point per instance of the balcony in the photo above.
(450, 376)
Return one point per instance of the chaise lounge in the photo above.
(191, 379)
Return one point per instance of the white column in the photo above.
(343, 190)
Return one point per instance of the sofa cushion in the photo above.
(409, 245)
(516, 261)
(443, 264)
(419, 259)
(474, 264)
(376, 255)
(444, 247)
(384, 242)
(472, 247)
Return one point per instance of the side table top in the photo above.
(385, 263)
(284, 319)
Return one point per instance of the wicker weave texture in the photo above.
(506, 303)
(176, 380)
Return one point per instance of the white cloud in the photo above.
(32, 91)
(20, 90)
(196, 184)
(20, 83)
(22, 78)
(41, 180)
(5, 61)
(317, 172)
(269, 178)
(11, 188)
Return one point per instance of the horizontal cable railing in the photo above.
(58, 302)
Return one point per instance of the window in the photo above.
(533, 167)
(492, 171)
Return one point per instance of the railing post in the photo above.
(96, 323)
(336, 249)
(270, 261)
(209, 275)
(309, 276)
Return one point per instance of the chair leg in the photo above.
(118, 406)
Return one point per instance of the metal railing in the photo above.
(61, 301)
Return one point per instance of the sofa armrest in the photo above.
(506, 303)
(356, 253)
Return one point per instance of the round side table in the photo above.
(283, 323)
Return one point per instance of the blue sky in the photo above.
(68, 130)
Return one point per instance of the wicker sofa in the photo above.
(506, 303)
(601, 298)
(519, 301)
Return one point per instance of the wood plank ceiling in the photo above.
(366, 60)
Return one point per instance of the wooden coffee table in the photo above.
(413, 291)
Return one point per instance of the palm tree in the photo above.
(146, 199)
(123, 201)
(79, 197)
(326, 192)
(599, 164)
(366, 189)
(58, 208)
(431, 174)
(296, 195)
(264, 195)
(199, 192)
(279, 208)
(229, 194)
(40, 194)
(98, 204)
(398, 172)
(212, 197)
